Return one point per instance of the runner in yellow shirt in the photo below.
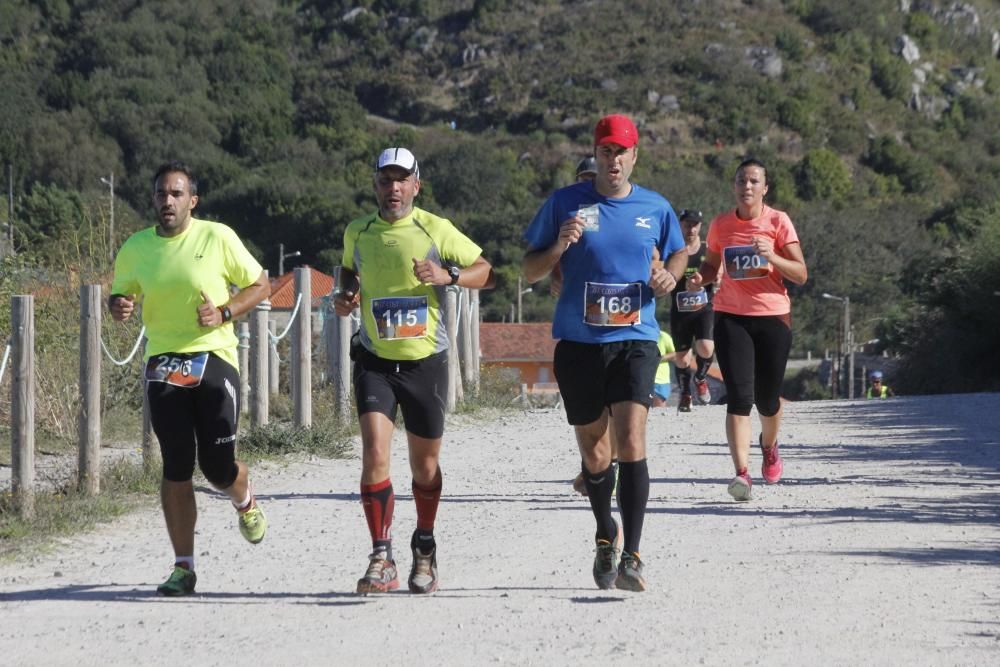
(182, 270)
(404, 259)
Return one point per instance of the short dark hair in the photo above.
(752, 162)
(178, 167)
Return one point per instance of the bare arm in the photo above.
(789, 263)
(478, 275)
(239, 304)
(708, 272)
(538, 262)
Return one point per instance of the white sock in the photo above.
(246, 501)
(185, 560)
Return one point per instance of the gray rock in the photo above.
(907, 48)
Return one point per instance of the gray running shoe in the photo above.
(630, 573)
(424, 571)
(606, 560)
(740, 487)
(380, 577)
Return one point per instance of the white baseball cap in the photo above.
(398, 157)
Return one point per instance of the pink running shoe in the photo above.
(772, 467)
(739, 488)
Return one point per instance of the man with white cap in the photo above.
(608, 239)
(404, 259)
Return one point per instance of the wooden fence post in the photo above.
(450, 306)
(475, 318)
(22, 403)
(342, 374)
(301, 362)
(467, 323)
(89, 416)
(243, 346)
(150, 445)
(273, 362)
(259, 345)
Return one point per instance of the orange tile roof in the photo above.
(283, 289)
(499, 341)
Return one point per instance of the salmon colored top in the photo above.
(750, 284)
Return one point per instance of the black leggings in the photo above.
(202, 419)
(752, 355)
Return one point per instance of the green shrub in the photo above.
(823, 175)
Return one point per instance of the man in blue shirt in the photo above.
(608, 238)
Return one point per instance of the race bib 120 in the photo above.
(742, 263)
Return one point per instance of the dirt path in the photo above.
(881, 546)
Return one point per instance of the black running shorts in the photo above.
(419, 388)
(592, 376)
(200, 419)
(685, 328)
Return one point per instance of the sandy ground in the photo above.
(880, 546)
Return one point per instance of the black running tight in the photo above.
(752, 354)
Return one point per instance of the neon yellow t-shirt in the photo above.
(665, 344)
(401, 317)
(169, 273)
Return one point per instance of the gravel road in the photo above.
(880, 546)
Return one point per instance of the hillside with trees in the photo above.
(878, 120)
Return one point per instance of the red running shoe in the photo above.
(772, 467)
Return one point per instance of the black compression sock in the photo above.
(633, 494)
(599, 489)
(703, 365)
(684, 379)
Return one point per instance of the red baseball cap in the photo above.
(616, 129)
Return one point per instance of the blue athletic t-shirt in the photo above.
(605, 294)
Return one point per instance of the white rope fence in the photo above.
(6, 355)
(291, 320)
(135, 348)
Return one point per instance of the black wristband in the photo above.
(227, 314)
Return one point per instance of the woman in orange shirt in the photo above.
(753, 327)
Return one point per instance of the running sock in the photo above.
(633, 494)
(423, 540)
(684, 379)
(703, 365)
(187, 562)
(378, 501)
(599, 489)
(427, 499)
(247, 501)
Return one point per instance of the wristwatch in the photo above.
(227, 314)
(454, 272)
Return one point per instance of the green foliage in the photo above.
(892, 76)
(890, 158)
(281, 438)
(822, 175)
(951, 301)
(281, 107)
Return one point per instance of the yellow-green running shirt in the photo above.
(169, 274)
(400, 316)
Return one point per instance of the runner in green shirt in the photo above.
(181, 271)
(404, 258)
